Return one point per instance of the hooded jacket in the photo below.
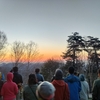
(62, 91)
(74, 86)
(84, 93)
(9, 89)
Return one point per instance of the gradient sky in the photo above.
(49, 22)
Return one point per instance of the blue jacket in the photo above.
(39, 77)
(74, 85)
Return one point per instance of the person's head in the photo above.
(45, 91)
(71, 70)
(37, 70)
(9, 76)
(15, 69)
(32, 79)
(99, 72)
(82, 77)
(58, 74)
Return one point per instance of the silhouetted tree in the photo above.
(49, 68)
(75, 45)
(94, 43)
(3, 42)
(92, 47)
(17, 52)
(31, 52)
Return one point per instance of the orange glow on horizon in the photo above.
(45, 55)
(38, 58)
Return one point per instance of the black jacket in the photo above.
(17, 78)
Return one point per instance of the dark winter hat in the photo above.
(45, 91)
(71, 70)
(58, 74)
(82, 77)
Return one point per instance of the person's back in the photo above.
(29, 92)
(84, 93)
(18, 80)
(62, 91)
(38, 75)
(96, 88)
(73, 84)
(17, 77)
(9, 89)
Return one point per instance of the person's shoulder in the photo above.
(26, 87)
(14, 83)
(19, 74)
(97, 81)
(76, 77)
(41, 75)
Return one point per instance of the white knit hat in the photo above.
(45, 90)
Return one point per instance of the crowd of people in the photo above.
(72, 87)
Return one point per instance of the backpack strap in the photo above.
(33, 92)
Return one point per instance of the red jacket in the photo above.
(62, 91)
(9, 89)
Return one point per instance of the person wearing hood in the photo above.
(9, 89)
(84, 93)
(74, 84)
(62, 91)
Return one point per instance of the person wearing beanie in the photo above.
(74, 84)
(29, 92)
(45, 91)
(84, 93)
(62, 90)
(9, 89)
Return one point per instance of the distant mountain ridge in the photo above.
(23, 69)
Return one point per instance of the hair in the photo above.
(37, 70)
(99, 71)
(15, 69)
(71, 70)
(32, 79)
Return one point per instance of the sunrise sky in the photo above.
(49, 22)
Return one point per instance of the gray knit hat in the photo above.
(45, 90)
